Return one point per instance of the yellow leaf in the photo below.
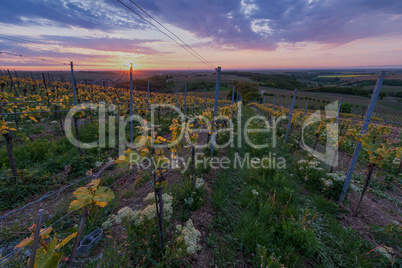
(26, 242)
(161, 139)
(29, 240)
(95, 183)
(101, 204)
(83, 196)
(66, 240)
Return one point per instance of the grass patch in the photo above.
(265, 218)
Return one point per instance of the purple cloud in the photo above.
(262, 24)
(227, 24)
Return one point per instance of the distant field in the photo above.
(345, 75)
(387, 88)
(388, 108)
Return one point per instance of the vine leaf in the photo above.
(103, 196)
(83, 196)
(29, 240)
(66, 240)
(47, 258)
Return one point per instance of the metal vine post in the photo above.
(358, 147)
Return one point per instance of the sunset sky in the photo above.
(234, 34)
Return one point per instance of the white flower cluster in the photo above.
(306, 164)
(327, 183)
(188, 239)
(98, 164)
(386, 251)
(109, 222)
(396, 161)
(255, 192)
(125, 213)
(138, 216)
(150, 198)
(199, 182)
(128, 214)
(189, 201)
(150, 211)
(354, 188)
(333, 177)
(336, 176)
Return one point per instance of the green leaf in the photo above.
(45, 258)
(83, 196)
(54, 261)
(71, 230)
(83, 193)
(103, 195)
(77, 204)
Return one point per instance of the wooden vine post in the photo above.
(148, 100)
(218, 79)
(75, 104)
(290, 117)
(33, 89)
(185, 100)
(159, 182)
(36, 239)
(192, 165)
(18, 80)
(203, 104)
(58, 115)
(159, 115)
(159, 207)
(77, 240)
(5, 130)
(301, 126)
(47, 93)
(195, 100)
(158, 166)
(88, 198)
(16, 118)
(12, 84)
(272, 111)
(131, 105)
(377, 154)
(366, 184)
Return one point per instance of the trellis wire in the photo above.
(51, 193)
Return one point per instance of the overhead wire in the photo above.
(203, 59)
(164, 33)
(146, 191)
(184, 45)
(21, 40)
(34, 43)
(26, 41)
(35, 58)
